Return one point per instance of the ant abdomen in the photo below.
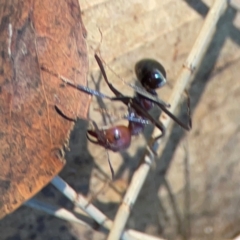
(150, 73)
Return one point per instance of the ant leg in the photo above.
(60, 112)
(183, 125)
(80, 87)
(189, 109)
(71, 116)
(144, 113)
(101, 138)
(113, 89)
(161, 135)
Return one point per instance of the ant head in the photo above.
(116, 138)
(150, 73)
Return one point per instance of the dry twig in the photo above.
(92, 211)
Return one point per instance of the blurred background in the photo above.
(192, 191)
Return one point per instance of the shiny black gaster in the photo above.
(151, 74)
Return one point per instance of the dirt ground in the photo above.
(192, 191)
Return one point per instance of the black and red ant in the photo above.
(152, 76)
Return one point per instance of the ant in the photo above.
(152, 76)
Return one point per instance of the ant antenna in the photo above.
(97, 50)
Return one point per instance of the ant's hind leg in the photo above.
(158, 137)
(189, 109)
(162, 128)
(154, 140)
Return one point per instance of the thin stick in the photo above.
(66, 215)
(81, 202)
(192, 62)
(55, 211)
(92, 211)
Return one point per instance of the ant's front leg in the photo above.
(113, 89)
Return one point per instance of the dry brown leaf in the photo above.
(32, 133)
